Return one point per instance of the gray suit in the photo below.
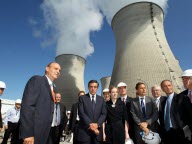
(151, 115)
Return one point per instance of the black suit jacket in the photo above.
(180, 112)
(1, 123)
(161, 108)
(73, 116)
(63, 117)
(87, 116)
(37, 109)
(185, 92)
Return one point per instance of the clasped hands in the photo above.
(143, 126)
(94, 127)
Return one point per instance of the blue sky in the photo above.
(22, 56)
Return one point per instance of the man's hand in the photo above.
(146, 130)
(93, 126)
(96, 131)
(143, 125)
(6, 127)
(29, 140)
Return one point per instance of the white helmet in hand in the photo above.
(151, 138)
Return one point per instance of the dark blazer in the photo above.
(1, 123)
(87, 116)
(161, 108)
(36, 110)
(185, 92)
(151, 116)
(73, 116)
(63, 115)
(180, 112)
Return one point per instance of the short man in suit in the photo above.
(187, 74)
(2, 88)
(144, 111)
(74, 119)
(122, 89)
(61, 118)
(160, 103)
(92, 114)
(177, 114)
(37, 109)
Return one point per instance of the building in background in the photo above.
(105, 82)
(142, 51)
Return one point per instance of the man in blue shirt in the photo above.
(11, 123)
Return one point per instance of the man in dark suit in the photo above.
(92, 114)
(61, 119)
(144, 111)
(160, 103)
(74, 119)
(37, 107)
(177, 114)
(122, 89)
(2, 88)
(187, 74)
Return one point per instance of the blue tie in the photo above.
(143, 107)
(167, 115)
(93, 103)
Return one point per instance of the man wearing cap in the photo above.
(122, 89)
(187, 74)
(106, 94)
(11, 123)
(37, 108)
(2, 88)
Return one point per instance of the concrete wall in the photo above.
(142, 51)
(105, 82)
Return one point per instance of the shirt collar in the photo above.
(125, 97)
(92, 95)
(49, 81)
(141, 97)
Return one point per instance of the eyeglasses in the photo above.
(2, 89)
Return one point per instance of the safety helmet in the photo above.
(151, 138)
(2, 84)
(18, 101)
(106, 90)
(187, 73)
(121, 84)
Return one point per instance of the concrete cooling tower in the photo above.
(71, 79)
(105, 82)
(142, 51)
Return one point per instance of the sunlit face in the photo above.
(58, 97)
(53, 71)
(156, 92)
(106, 96)
(167, 87)
(93, 87)
(81, 94)
(185, 80)
(122, 90)
(190, 84)
(141, 90)
(1, 91)
(114, 93)
(18, 105)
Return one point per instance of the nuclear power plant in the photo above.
(105, 82)
(142, 51)
(71, 79)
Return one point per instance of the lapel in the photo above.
(138, 104)
(97, 103)
(147, 105)
(89, 104)
(48, 86)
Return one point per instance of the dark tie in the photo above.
(93, 103)
(143, 107)
(52, 93)
(167, 115)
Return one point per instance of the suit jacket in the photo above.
(180, 112)
(185, 92)
(161, 108)
(63, 117)
(73, 116)
(87, 116)
(36, 110)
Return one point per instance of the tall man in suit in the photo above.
(187, 74)
(37, 107)
(2, 88)
(177, 114)
(144, 111)
(122, 89)
(74, 119)
(61, 119)
(92, 114)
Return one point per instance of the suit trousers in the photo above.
(75, 133)
(12, 130)
(93, 140)
(54, 137)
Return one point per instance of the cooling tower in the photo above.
(142, 51)
(105, 82)
(71, 79)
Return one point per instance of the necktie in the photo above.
(143, 107)
(93, 103)
(190, 96)
(157, 103)
(124, 100)
(52, 93)
(167, 115)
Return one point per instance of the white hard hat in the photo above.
(2, 84)
(106, 90)
(68, 111)
(129, 141)
(187, 73)
(18, 101)
(151, 138)
(122, 84)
